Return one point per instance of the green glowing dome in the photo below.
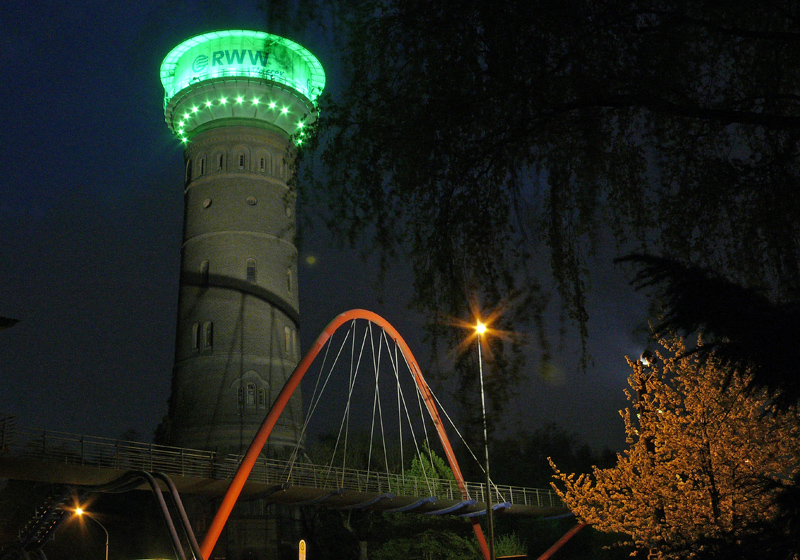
(239, 74)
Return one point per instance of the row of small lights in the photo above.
(240, 100)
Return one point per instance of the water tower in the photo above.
(238, 101)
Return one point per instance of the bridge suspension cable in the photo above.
(364, 345)
(399, 352)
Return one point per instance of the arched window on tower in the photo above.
(262, 165)
(220, 161)
(262, 398)
(202, 165)
(241, 161)
(289, 280)
(196, 336)
(250, 394)
(251, 271)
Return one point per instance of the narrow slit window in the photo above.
(204, 273)
(220, 162)
(261, 165)
(202, 165)
(208, 334)
(287, 343)
(262, 398)
(289, 280)
(241, 161)
(196, 336)
(240, 394)
(251, 270)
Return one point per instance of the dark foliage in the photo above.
(7, 323)
(491, 144)
(741, 326)
(522, 460)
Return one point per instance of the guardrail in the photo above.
(66, 448)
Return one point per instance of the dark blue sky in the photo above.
(91, 218)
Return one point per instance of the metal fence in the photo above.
(72, 449)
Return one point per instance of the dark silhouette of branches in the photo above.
(741, 326)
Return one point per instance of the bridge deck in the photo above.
(57, 457)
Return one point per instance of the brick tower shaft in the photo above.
(238, 100)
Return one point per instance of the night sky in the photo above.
(91, 216)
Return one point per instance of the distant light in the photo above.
(240, 99)
(222, 101)
(647, 359)
(271, 104)
(78, 511)
(255, 100)
(208, 103)
(194, 109)
(285, 110)
(480, 328)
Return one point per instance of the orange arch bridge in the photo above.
(260, 439)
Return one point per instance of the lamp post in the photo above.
(80, 512)
(480, 329)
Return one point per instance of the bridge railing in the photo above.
(94, 451)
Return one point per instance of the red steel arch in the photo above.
(260, 439)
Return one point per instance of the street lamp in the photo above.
(480, 329)
(80, 512)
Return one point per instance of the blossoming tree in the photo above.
(705, 464)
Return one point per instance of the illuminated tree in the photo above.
(705, 466)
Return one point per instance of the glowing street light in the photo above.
(80, 512)
(480, 329)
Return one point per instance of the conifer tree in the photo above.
(706, 463)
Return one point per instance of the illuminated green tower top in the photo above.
(239, 74)
(238, 100)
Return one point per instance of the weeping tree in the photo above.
(480, 140)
